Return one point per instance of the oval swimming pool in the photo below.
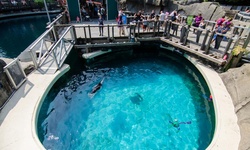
(145, 102)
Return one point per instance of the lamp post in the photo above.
(45, 4)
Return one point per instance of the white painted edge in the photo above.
(39, 103)
(227, 132)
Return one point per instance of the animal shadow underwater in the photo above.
(136, 99)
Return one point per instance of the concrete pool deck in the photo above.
(18, 117)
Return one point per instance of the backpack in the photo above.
(102, 11)
(173, 18)
(219, 21)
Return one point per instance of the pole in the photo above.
(46, 8)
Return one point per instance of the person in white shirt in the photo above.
(162, 18)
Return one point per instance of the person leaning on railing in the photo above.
(218, 37)
(197, 21)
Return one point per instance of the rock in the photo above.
(5, 85)
(209, 10)
(237, 81)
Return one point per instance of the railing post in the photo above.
(89, 33)
(108, 34)
(113, 36)
(235, 30)
(183, 32)
(198, 34)
(33, 58)
(213, 26)
(209, 42)
(154, 27)
(165, 29)
(228, 46)
(168, 30)
(73, 33)
(203, 45)
(54, 58)
(138, 34)
(247, 40)
(134, 26)
(186, 36)
(85, 34)
(241, 31)
(158, 27)
(54, 33)
(129, 32)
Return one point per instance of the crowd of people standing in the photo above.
(92, 10)
(147, 23)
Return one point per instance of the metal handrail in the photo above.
(57, 43)
(40, 38)
(58, 17)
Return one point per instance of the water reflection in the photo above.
(18, 33)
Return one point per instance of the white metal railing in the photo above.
(41, 47)
(47, 47)
(55, 21)
(62, 47)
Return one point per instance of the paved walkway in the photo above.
(18, 117)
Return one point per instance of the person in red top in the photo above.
(220, 21)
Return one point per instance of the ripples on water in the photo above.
(132, 110)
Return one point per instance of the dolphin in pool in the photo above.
(136, 99)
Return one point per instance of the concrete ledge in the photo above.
(19, 116)
(227, 132)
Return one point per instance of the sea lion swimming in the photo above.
(136, 99)
(96, 88)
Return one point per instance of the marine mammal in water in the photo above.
(136, 99)
(96, 88)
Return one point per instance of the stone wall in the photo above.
(5, 86)
(209, 10)
(237, 81)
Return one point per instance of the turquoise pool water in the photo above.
(132, 110)
(18, 33)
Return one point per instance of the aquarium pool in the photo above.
(136, 108)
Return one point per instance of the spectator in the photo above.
(137, 16)
(77, 19)
(150, 23)
(120, 25)
(220, 21)
(229, 23)
(197, 20)
(162, 18)
(100, 23)
(166, 15)
(202, 26)
(152, 15)
(103, 13)
(174, 19)
(218, 38)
